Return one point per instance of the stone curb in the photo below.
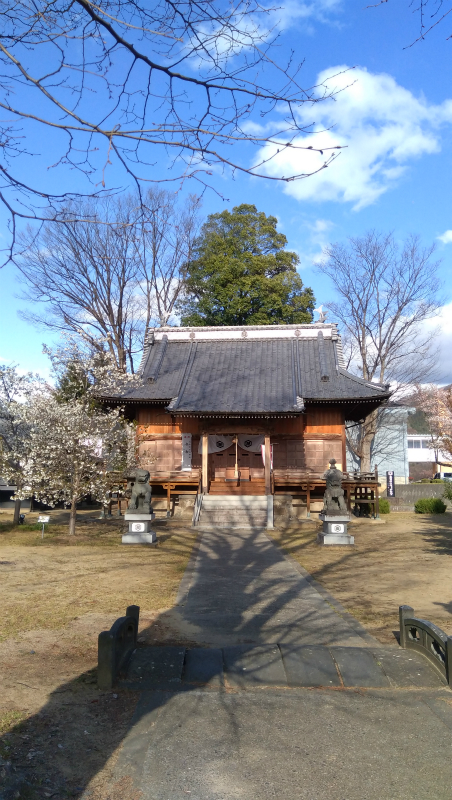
(184, 586)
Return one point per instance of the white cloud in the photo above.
(446, 237)
(248, 29)
(293, 11)
(442, 323)
(382, 125)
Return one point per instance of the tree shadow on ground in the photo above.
(71, 742)
(436, 530)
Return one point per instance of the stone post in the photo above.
(205, 463)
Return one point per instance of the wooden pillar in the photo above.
(267, 465)
(377, 495)
(348, 492)
(205, 463)
(308, 501)
(168, 487)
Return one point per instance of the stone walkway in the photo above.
(281, 694)
(241, 589)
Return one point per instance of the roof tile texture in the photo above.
(247, 376)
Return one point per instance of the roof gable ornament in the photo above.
(324, 372)
(322, 314)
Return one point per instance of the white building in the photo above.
(421, 452)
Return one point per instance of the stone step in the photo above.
(233, 513)
(243, 667)
(232, 521)
(237, 501)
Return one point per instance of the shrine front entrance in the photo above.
(236, 469)
(223, 465)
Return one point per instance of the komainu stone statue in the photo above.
(333, 499)
(140, 491)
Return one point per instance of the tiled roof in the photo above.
(273, 372)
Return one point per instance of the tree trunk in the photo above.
(368, 432)
(16, 512)
(72, 517)
(365, 453)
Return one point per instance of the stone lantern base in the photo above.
(139, 529)
(334, 530)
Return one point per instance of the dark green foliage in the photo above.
(73, 384)
(430, 505)
(447, 494)
(418, 422)
(241, 274)
(384, 506)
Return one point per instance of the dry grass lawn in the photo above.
(56, 595)
(46, 583)
(405, 561)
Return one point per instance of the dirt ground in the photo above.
(402, 561)
(58, 732)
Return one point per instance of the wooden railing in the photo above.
(359, 488)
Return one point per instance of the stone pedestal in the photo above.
(139, 529)
(334, 530)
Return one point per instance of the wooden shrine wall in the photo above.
(305, 442)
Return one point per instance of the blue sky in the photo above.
(394, 120)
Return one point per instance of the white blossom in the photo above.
(61, 450)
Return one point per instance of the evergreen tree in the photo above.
(241, 274)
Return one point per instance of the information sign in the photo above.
(390, 485)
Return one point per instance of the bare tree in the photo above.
(139, 84)
(431, 13)
(169, 234)
(386, 295)
(107, 280)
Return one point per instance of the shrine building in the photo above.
(245, 411)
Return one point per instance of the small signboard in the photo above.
(390, 485)
(186, 451)
(43, 519)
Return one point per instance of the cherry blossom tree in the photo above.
(71, 451)
(15, 390)
(60, 447)
(436, 402)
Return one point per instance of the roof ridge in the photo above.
(382, 386)
(147, 344)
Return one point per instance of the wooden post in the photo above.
(308, 501)
(377, 496)
(267, 465)
(205, 463)
(168, 487)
